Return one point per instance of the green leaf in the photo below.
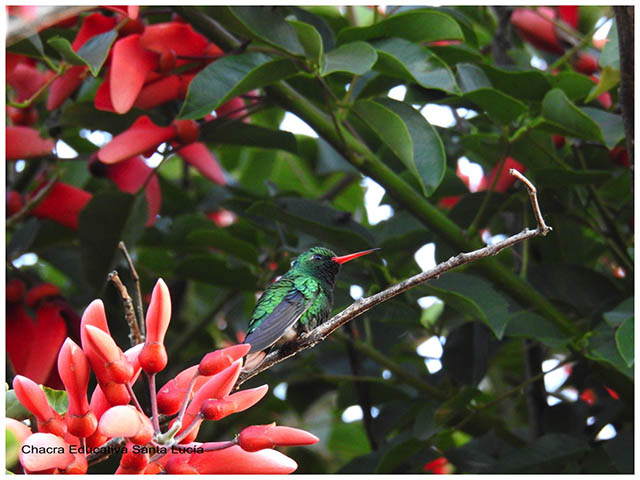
(621, 313)
(223, 240)
(213, 270)
(480, 299)
(261, 23)
(11, 449)
(63, 47)
(95, 50)
(531, 325)
(57, 399)
(453, 54)
(334, 227)
(414, 25)
(575, 85)
(409, 61)
(559, 177)
(231, 76)
(624, 340)
(499, 106)
(609, 78)
(389, 127)
(92, 54)
(544, 455)
(429, 158)
(109, 218)
(564, 117)
(310, 40)
(525, 85)
(348, 440)
(354, 57)
(227, 132)
(611, 124)
(396, 452)
(472, 77)
(603, 347)
(610, 56)
(13, 407)
(425, 424)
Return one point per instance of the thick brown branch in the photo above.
(359, 307)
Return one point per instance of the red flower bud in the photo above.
(187, 131)
(172, 394)
(59, 459)
(217, 361)
(32, 397)
(257, 437)
(153, 357)
(126, 421)
(62, 204)
(213, 409)
(132, 463)
(119, 370)
(235, 460)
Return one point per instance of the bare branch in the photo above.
(136, 279)
(359, 307)
(129, 314)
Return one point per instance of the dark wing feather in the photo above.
(274, 325)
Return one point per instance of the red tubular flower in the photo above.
(32, 397)
(258, 437)
(505, 180)
(172, 394)
(198, 155)
(130, 64)
(132, 463)
(217, 386)
(569, 14)
(73, 367)
(117, 366)
(214, 409)
(217, 361)
(58, 460)
(235, 460)
(234, 108)
(94, 315)
(138, 138)
(62, 204)
(153, 357)
(126, 421)
(585, 63)
(130, 175)
(26, 142)
(536, 29)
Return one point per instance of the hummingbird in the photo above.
(297, 302)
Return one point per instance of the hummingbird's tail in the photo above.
(253, 360)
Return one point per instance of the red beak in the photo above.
(351, 256)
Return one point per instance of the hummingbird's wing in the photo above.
(270, 328)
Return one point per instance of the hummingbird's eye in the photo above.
(316, 256)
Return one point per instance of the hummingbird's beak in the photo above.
(351, 256)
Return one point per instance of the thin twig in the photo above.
(361, 306)
(32, 203)
(129, 314)
(136, 280)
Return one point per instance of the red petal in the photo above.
(63, 205)
(258, 437)
(179, 37)
(234, 108)
(73, 367)
(126, 421)
(138, 138)
(569, 14)
(158, 92)
(21, 333)
(198, 155)
(158, 313)
(505, 180)
(171, 395)
(102, 99)
(39, 292)
(130, 64)
(234, 460)
(217, 361)
(32, 397)
(130, 174)
(25, 142)
(214, 409)
(51, 332)
(19, 429)
(63, 86)
(34, 462)
(92, 25)
(25, 80)
(536, 29)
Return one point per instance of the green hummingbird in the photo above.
(297, 302)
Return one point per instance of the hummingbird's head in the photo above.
(322, 263)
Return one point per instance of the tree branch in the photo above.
(359, 307)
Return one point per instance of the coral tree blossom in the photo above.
(199, 393)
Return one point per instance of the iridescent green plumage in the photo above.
(297, 302)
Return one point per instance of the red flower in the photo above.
(62, 204)
(26, 80)
(176, 36)
(505, 179)
(439, 466)
(198, 155)
(588, 396)
(569, 14)
(126, 421)
(537, 29)
(258, 437)
(153, 357)
(157, 92)
(216, 409)
(585, 63)
(25, 142)
(235, 460)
